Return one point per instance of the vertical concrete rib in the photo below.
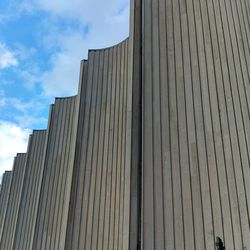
(77, 182)
(10, 221)
(195, 124)
(31, 191)
(51, 221)
(97, 207)
(153, 152)
(4, 197)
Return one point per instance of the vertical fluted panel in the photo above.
(31, 191)
(97, 208)
(10, 221)
(53, 205)
(4, 197)
(196, 127)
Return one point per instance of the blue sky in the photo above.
(41, 45)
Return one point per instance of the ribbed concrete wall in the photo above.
(10, 220)
(98, 214)
(30, 192)
(154, 151)
(4, 197)
(196, 128)
(52, 213)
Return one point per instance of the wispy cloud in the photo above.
(21, 105)
(104, 24)
(7, 58)
(3, 17)
(28, 121)
(84, 11)
(64, 34)
(27, 114)
(13, 139)
(69, 30)
(62, 78)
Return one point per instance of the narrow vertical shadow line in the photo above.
(136, 143)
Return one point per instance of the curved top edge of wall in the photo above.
(39, 130)
(110, 47)
(21, 154)
(64, 97)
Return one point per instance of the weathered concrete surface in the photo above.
(10, 220)
(27, 214)
(196, 127)
(4, 197)
(51, 221)
(156, 144)
(99, 208)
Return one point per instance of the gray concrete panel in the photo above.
(196, 174)
(154, 151)
(10, 220)
(31, 191)
(53, 205)
(97, 209)
(4, 197)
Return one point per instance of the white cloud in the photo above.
(63, 77)
(13, 139)
(3, 17)
(7, 58)
(107, 23)
(30, 76)
(83, 10)
(24, 107)
(28, 121)
(28, 114)
(23, 53)
(2, 98)
(2, 102)
(106, 26)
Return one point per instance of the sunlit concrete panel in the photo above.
(10, 220)
(99, 208)
(51, 221)
(4, 197)
(154, 151)
(196, 127)
(27, 214)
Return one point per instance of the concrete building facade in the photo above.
(27, 214)
(99, 208)
(153, 152)
(4, 196)
(51, 220)
(11, 215)
(196, 127)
